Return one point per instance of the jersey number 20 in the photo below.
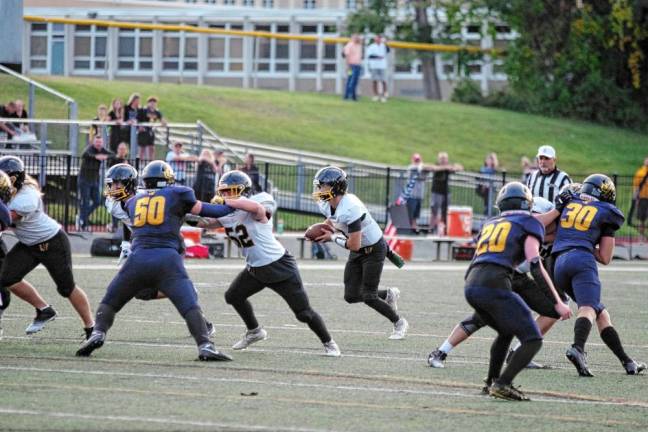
(578, 216)
(493, 238)
(149, 211)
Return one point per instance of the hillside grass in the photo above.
(386, 133)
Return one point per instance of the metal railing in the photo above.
(73, 109)
(291, 186)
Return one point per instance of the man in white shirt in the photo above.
(377, 60)
(178, 159)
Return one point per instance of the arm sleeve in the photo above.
(5, 216)
(608, 230)
(356, 225)
(215, 210)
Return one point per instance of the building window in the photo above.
(351, 4)
(38, 47)
(309, 4)
(248, 3)
(229, 2)
(269, 4)
(135, 50)
(225, 53)
(90, 48)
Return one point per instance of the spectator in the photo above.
(253, 172)
(414, 191)
(102, 116)
(640, 185)
(20, 113)
(118, 133)
(131, 113)
(547, 181)
(484, 188)
(352, 53)
(146, 135)
(121, 156)
(221, 162)
(178, 160)
(205, 184)
(8, 111)
(377, 60)
(89, 187)
(527, 169)
(441, 192)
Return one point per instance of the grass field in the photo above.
(145, 377)
(386, 133)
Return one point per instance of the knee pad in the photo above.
(471, 324)
(352, 299)
(65, 290)
(306, 315)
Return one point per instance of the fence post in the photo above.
(31, 109)
(503, 177)
(68, 191)
(133, 140)
(615, 178)
(74, 129)
(350, 178)
(300, 185)
(266, 169)
(42, 177)
(387, 192)
(200, 136)
(491, 186)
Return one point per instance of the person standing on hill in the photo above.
(353, 55)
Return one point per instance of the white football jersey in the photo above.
(35, 226)
(255, 239)
(115, 209)
(349, 210)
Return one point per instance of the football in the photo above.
(314, 231)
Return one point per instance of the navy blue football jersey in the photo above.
(5, 216)
(157, 214)
(501, 239)
(583, 222)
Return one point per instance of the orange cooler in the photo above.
(460, 221)
(404, 249)
(191, 235)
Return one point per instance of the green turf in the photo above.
(145, 377)
(386, 133)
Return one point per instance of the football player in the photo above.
(585, 236)
(505, 241)
(522, 284)
(40, 241)
(156, 215)
(357, 231)
(268, 263)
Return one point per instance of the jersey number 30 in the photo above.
(493, 238)
(149, 211)
(578, 216)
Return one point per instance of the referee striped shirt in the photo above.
(547, 185)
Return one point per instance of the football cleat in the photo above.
(487, 385)
(436, 359)
(633, 368)
(579, 360)
(531, 365)
(393, 294)
(331, 349)
(400, 329)
(43, 316)
(250, 337)
(95, 341)
(211, 330)
(208, 352)
(507, 392)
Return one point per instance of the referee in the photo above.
(547, 181)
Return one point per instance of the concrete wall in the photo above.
(11, 30)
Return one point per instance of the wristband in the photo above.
(340, 240)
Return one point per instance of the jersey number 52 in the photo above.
(240, 236)
(493, 238)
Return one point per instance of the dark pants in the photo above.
(352, 82)
(90, 199)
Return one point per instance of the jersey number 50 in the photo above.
(149, 211)
(493, 238)
(578, 216)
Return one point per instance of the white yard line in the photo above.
(156, 420)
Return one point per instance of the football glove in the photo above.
(218, 200)
(562, 199)
(125, 252)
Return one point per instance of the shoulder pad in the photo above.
(266, 200)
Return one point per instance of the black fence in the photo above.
(291, 186)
